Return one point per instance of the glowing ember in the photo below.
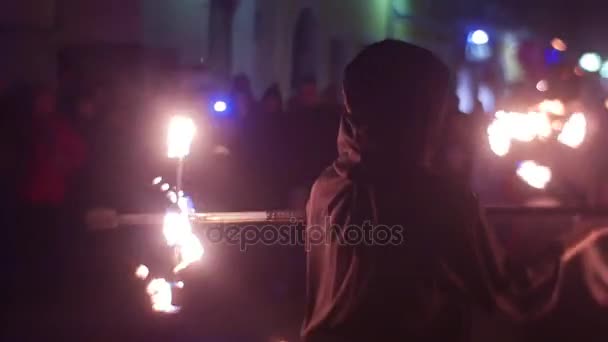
(178, 233)
(574, 131)
(518, 126)
(160, 294)
(500, 141)
(525, 127)
(541, 124)
(181, 133)
(559, 44)
(176, 227)
(172, 196)
(535, 175)
(157, 180)
(557, 125)
(221, 150)
(552, 106)
(542, 85)
(185, 204)
(142, 272)
(190, 251)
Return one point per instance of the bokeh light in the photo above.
(604, 70)
(590, 62)
(478, 37)
(535, 175)
(542, 85)
(142, 272)
(559, 44)
(574, 131)
(220, 106)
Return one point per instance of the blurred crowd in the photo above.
(93, 146)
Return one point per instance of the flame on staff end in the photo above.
(574, 131)
(190, 251)
(160, 294)
(172, 196)
(178, 233)
(535, 175)
(181, 133)
(525, 127)
(500, 140)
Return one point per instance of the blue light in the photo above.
(220, 106)
(552, 56)
(478, 37)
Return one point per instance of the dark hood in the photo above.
(395, 94)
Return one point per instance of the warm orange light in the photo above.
(535, 175)
(574, 131)
(181, 133)
(559, 44)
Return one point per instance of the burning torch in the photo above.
(180, 136)
(177, 227)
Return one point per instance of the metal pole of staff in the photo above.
(103, 219)
(107, 219)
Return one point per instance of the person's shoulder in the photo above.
(328, 180)
(329, 184)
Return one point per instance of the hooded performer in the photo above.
(394, 252)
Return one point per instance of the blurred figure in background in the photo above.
(306, 99)
(57, 151)
(118, 161)
(55, 154)
(84, 112)
(330, 99)
(265, 150)
(271, 103)
(242, 96)
(310, 135)
(462, 134)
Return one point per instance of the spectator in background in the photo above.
(264, 150)
(311, 136)
(306, 98)
(55, 154)
(455, 157)
(242, 96)
(331, 95)
(271, 103)
(117, 161)
(85, 115)
(57, 151)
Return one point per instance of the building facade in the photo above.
(268, 40)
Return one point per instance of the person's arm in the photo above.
(486, 274)
(337, 269)
(580, 240)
